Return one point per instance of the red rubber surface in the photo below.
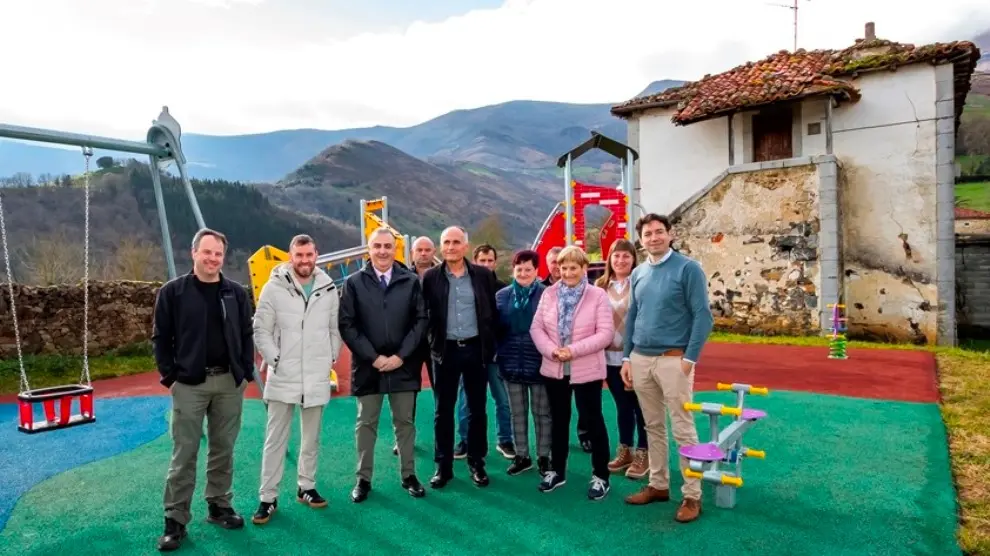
(887, 374)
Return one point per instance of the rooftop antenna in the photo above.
(793, 7)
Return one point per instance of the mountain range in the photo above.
(512, 135)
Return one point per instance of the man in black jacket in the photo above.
(204, 348)
(382, 320)
(460, 301)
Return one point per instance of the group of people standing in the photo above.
(537, 346)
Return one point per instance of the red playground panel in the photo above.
(611, 198)
(554, 231)
(552, 235)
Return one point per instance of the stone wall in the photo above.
(51, 318)
(973, 286)
(756, 234)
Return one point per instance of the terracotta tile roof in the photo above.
(788, 76)
(971, 214)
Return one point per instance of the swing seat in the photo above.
(47, 397)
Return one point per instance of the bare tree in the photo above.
(137, 259)
(51, 259)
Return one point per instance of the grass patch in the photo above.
(974, 195)
(964, 383)
(56, 370)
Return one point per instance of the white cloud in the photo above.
(242, 69)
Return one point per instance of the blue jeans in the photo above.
(503, 419)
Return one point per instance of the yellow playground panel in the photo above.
(261, 263)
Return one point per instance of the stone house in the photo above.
(815, 177)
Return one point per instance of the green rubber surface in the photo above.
(842, 476)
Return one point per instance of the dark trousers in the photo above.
(627, 411)
(429, 373)
(588, 398)
(462, 360)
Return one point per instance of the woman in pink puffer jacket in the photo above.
(571, 329)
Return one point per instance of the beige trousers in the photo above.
(277, 441)
(661, 387)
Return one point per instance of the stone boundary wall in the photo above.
(51, 318)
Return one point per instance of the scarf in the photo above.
(519, 317)
(567, 300)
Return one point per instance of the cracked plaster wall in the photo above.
(756, 236)
(886, 148)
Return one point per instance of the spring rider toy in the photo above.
(837, 342)
(726, 446)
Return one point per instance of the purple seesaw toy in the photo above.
(726, 446)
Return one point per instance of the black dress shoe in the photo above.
(413, 487)
(172, 537)
(224, 517)
(361, 490)
(441, 478)
(479, 476)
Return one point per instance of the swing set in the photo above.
(162, 146)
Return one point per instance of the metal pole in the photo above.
(364, 232)
(630, 202)
(156, 180)
(190, 193)
(77, 139)
(407, 251)
(385, 209)
(568, 204)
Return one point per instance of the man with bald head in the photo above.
(423, 252)
(460, 301)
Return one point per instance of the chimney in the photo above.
(871, 31)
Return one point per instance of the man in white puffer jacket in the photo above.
(295, 330)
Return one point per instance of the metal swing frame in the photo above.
(163, 147)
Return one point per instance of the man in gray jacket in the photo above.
(382, 321)
(295, 329)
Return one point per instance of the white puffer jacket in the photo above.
(298, 339)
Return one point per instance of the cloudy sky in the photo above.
(224, 67)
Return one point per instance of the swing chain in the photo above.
(87, 153)
(13, 307)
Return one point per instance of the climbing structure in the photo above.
(566, 224)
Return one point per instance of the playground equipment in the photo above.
(566, 223)
(268, 257)
(725, 446)
(162, 147)
(837, 340)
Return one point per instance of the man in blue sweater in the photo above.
(668, 323)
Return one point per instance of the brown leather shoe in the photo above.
(689, 510)
(623, 458)
(640, 466)
(648, 495)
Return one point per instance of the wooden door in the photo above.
(772, 139)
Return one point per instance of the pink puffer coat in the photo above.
(591, 333)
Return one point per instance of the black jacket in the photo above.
(391, 322)
(180, 328)
(436, 288)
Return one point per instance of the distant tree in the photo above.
(51, 259)
(490, 231)
(137, 259)
(105, 162)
